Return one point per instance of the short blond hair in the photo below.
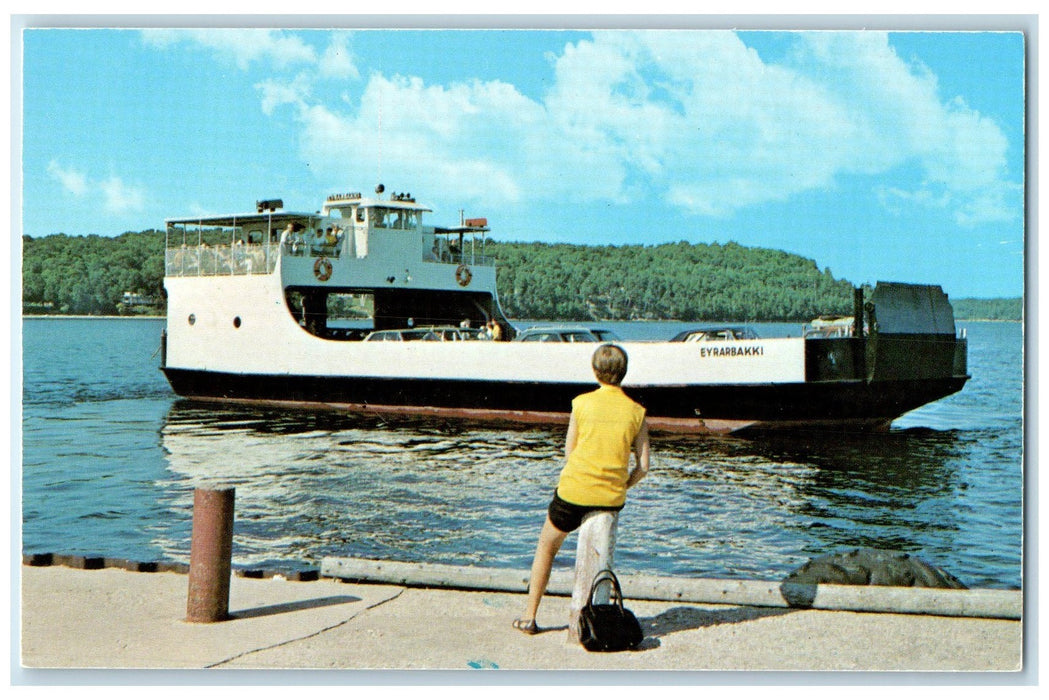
(609, 363)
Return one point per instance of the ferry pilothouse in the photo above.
(286, 307)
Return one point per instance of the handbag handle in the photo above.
(616, 594)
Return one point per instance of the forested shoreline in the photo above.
(123, 275)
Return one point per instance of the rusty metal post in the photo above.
(211, 551)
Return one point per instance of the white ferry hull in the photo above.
(686, 387)
(233, 334)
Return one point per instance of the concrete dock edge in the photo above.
(978, 603)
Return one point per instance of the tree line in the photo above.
(1001, 309)
(88, 275)
(683, 281)
(123, 275)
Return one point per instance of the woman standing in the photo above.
(605, 427)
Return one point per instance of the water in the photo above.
(111, 458)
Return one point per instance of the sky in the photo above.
(895, 156)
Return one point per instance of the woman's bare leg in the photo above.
(550, 541)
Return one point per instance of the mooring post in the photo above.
(211, 550)
(597, 544)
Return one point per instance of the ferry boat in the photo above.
(274, 306)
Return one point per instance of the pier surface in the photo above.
(117, 619)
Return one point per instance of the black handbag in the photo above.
(608, 626)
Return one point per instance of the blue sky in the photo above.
(883, 156)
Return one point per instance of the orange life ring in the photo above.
(463, 275)
(322, 269)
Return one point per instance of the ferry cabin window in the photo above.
(404, 219)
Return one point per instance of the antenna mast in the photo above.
(379, 179)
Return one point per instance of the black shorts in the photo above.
(567, 517)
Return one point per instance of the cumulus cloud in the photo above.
(119, 197)
(337, 60)
(961, 153)
(468, 138)
(73, 181)
(697, 116)
(276, 93)
(116, 196)
(243, 47)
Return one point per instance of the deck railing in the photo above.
(203, 261)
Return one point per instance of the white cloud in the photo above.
(239, 46)
(338, 60)
(471, 139)
(699, 117)
(961, 153)
(117, 197)
(71, 180)
(276, 93)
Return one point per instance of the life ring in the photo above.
(463, 275)
(322, 269)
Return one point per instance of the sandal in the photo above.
(526, 626)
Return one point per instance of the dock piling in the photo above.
(211, 551)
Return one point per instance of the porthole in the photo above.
(236, 321)
(192, 319)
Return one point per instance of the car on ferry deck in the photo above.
(706, 334)
(446, 333)
(402, 334)
(604, 335)
(549, 334)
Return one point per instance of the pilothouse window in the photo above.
(403, 219)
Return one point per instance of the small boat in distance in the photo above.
(272, 306)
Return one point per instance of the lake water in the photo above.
(111, 457)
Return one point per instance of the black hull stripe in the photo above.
(693, 408)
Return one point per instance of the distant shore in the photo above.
(662, 320)
(89, 316)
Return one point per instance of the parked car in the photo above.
(402, 334)
(706, 334)
(451, 333)
(550, 334)
(605, 336)
(458, 333)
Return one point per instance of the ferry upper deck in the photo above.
(349, 227)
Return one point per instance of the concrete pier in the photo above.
(116, 618)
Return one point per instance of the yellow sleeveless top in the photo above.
(607, 421)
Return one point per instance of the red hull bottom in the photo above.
(657, 424)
